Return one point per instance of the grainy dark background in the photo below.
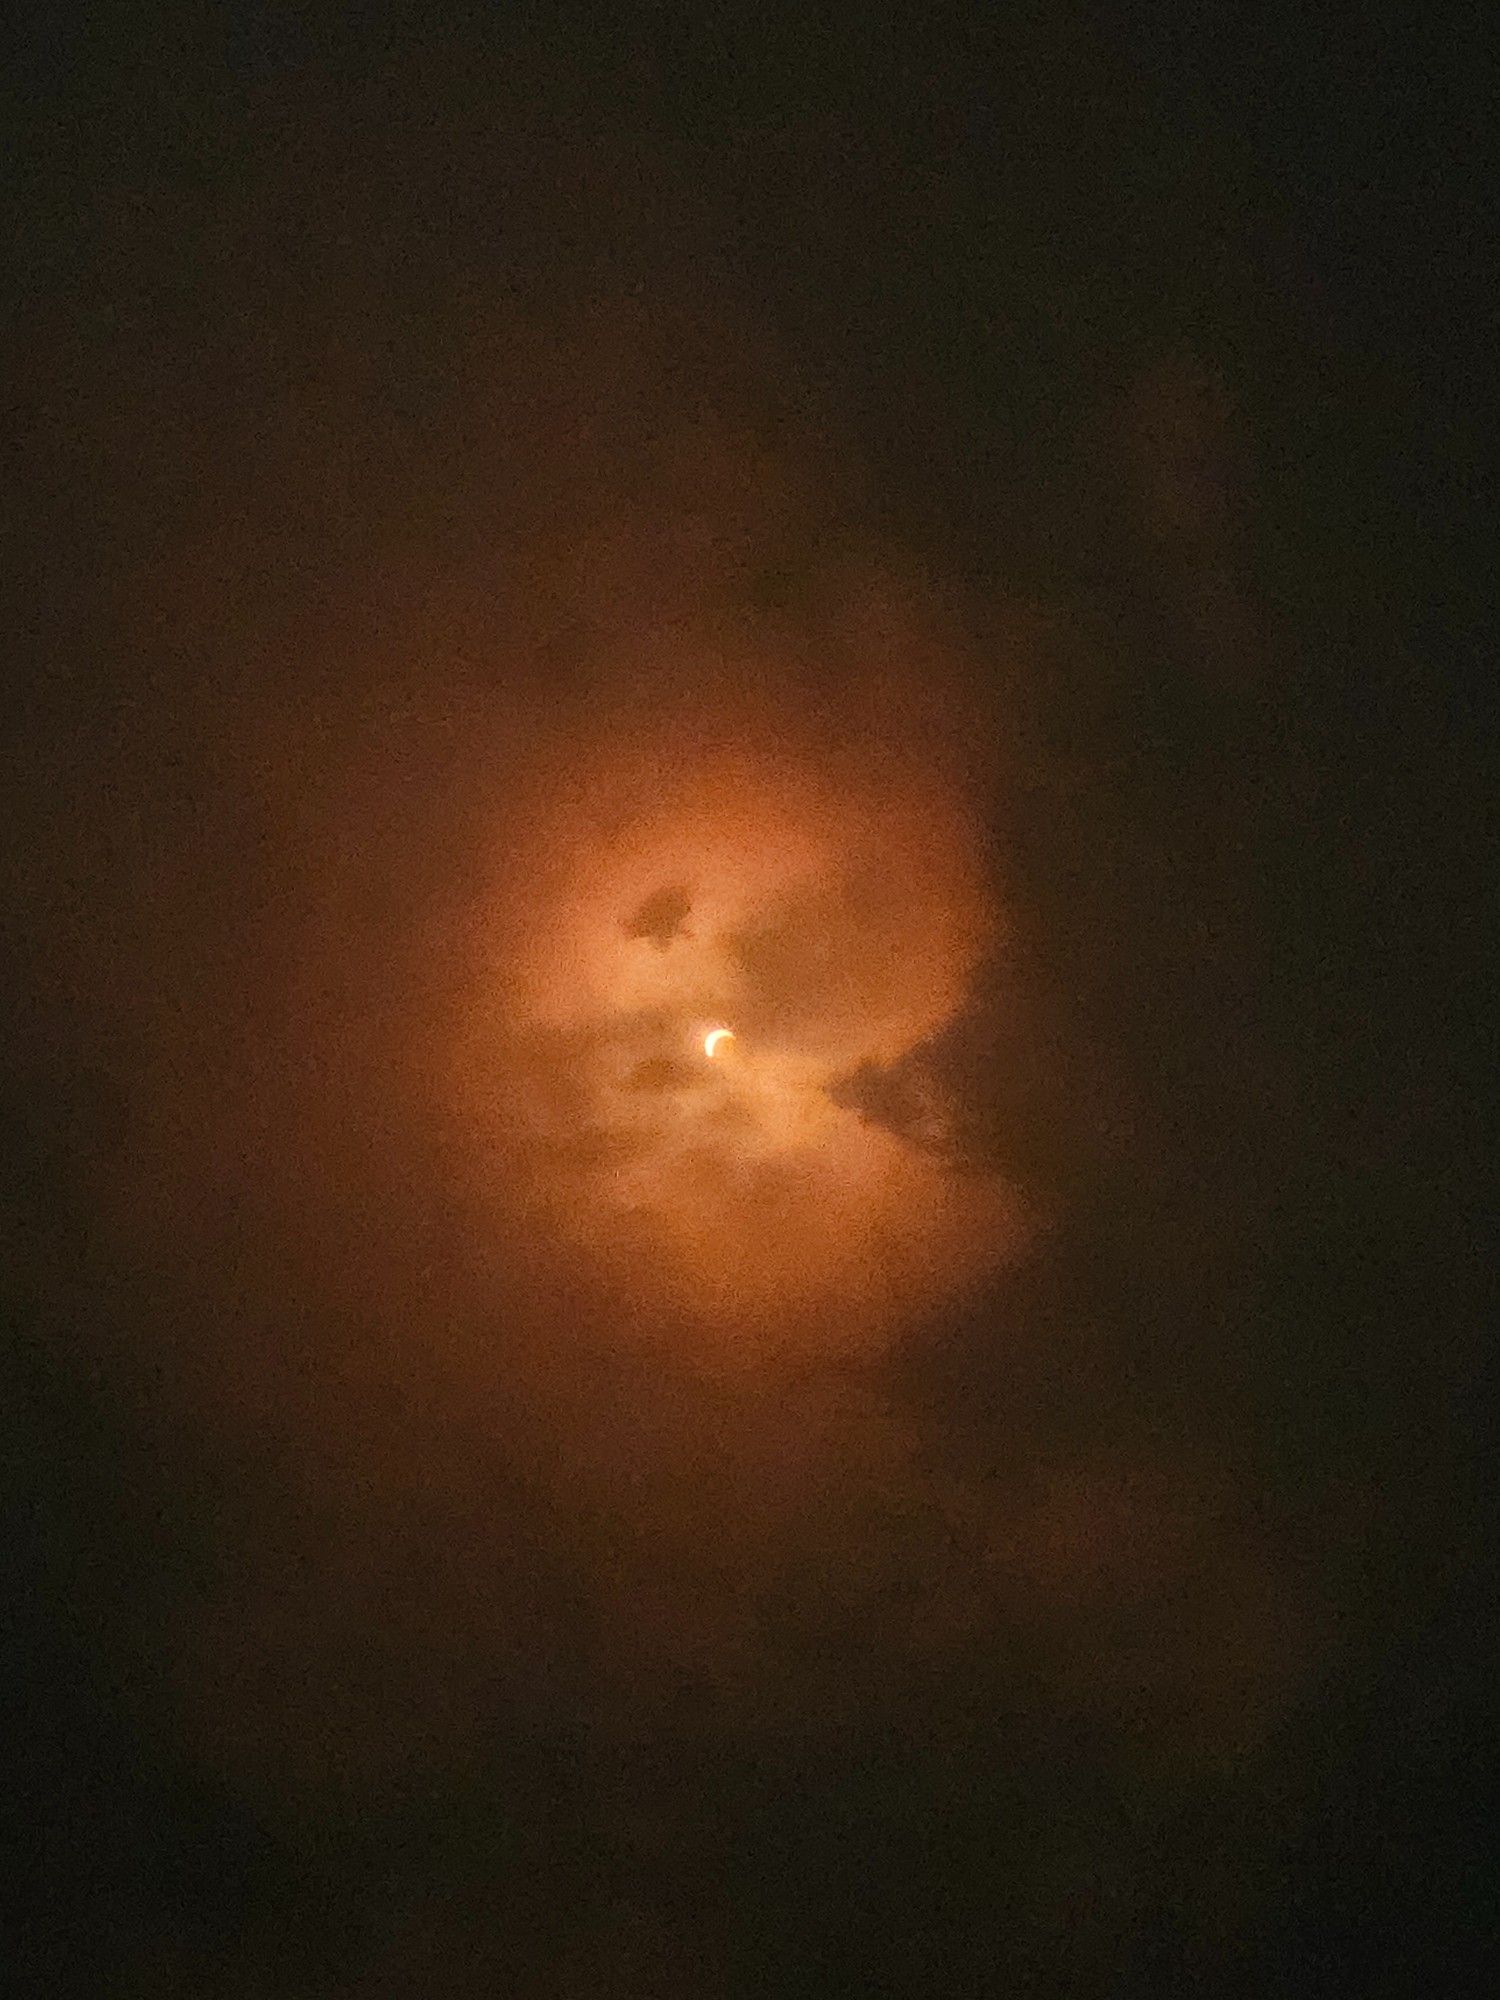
(1157, 339)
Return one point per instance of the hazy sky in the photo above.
(938, 554)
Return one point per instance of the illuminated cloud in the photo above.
(671, 864)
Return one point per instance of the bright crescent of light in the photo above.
(712, 1040)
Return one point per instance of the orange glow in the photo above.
(821, 889)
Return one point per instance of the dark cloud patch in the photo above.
(661, 1073)
(1008, 1088)
(906, 1098)
(662, 917)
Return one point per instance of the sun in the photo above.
(715, 1039)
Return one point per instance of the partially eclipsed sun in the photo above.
(830, 897)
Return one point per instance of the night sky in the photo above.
(941, 544)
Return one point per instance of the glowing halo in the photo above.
(840, 905)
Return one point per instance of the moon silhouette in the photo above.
(713, 1039)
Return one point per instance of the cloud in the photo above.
(662, 917)
(561, 1357)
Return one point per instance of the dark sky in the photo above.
(385, 1617)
